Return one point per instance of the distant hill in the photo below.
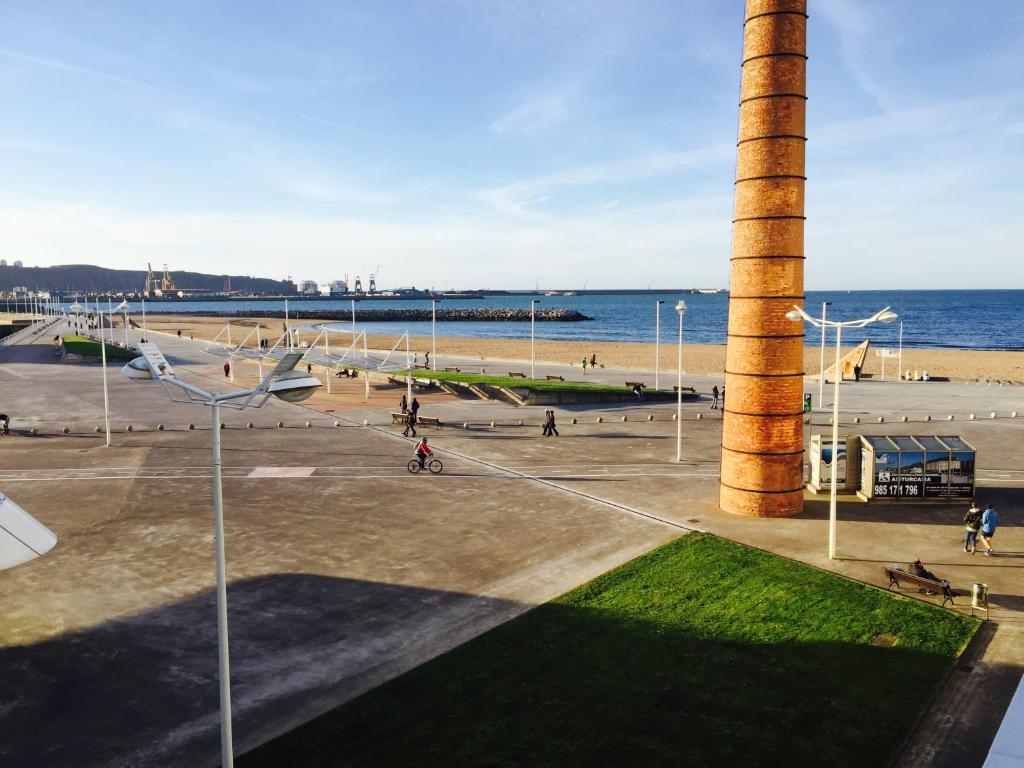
(91, 279)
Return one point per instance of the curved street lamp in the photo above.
(284, 383)
(796, 314)
(681, 309)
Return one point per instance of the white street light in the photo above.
(533, 348)
(123, 307)
(821, 367)
(797, 314)
(681, 309)
(283, 382)
(103, 363)
(901, 351)
(144, 317)
(433, 334)
(657, 342)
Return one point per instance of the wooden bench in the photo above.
(898, 578)
(399, 418)
(549, 377)
(451, 369)
(516, 375)
(691, 390)
(429, 421)
(632, 384)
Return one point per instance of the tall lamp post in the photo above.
(289, 385)
(433, 334)
(123, 307)
(681, 309)
(821, 366)
(657, 342)
(533, 348)
(797, 314)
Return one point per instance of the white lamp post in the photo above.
(287, 330)
(533, 348)
(144, 317)
(821, 367)
(433, 334)
(283, 382)
(901, 351)
(657, 342)
(797, 314)
(681, 309)
(123, 307)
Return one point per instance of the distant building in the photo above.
(3, 262)
(337, 287)
(309, 286)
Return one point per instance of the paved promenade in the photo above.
(346, 570)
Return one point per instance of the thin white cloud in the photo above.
(76, 69)
(536, 114)
(859, 44)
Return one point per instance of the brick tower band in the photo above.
(762, 437)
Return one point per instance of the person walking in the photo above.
(584, 363)
(410, 423)
(179, 333)
(227, 369)
(552, 429)
(989, 523)
(972, 524)
(404, 404)
(856, 373)
(546, 424)
(714, 397)
(426, 359)
(593, 360)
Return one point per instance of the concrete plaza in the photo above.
(346, 570)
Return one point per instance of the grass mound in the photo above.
(83, 345)
(539, 385)
(701, 652)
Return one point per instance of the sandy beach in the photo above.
(957, 364)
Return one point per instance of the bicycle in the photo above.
(434, 465)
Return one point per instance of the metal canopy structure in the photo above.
(916, 467)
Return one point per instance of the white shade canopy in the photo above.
(22, 537)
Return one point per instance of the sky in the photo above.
(501, 143)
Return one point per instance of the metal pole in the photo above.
(657, 343)
(408, 368)
(106, 397)
(901, 351)
(353, 324)
(144, 331)
(679, 394)
(533, 348)
(821, 369)
(126, 327)
(433, 334)
(287, 330)
(835, 450)
(227, 756)
(259, 346)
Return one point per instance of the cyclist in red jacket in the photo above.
(422, 451)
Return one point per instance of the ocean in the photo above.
(990, 319)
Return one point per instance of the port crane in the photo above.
(373, 279)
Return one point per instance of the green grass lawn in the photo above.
(83, 345)
(699, 653)
(506, 381)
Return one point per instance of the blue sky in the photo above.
(501, 143)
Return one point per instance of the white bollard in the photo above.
(159, 427)
(98, 430)
(600, 419)
(308, 425)
(34, 431)
(366, 422)
(248, 425)
(492, 424)
(280, 425)
(700, 416)
(625, 418)
(130, 428)
(856, 419)
(465, 425)
(66, 430)
(970, 416)
(927, 418)
(191, 426)
(881, 419)
(949, 417)
(904, 419)
(1013, 414)
(675, 416)
(992, 415)
(337, 423)
(650, 417)
(573, 420)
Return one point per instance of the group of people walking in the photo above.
(411, 412)
(983, 523)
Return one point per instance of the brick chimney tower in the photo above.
(762, 435)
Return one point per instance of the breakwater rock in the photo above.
(466, 314)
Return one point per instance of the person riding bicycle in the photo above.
(422, 451)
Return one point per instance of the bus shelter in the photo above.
(916, 467)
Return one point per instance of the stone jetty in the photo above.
(466, 314)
